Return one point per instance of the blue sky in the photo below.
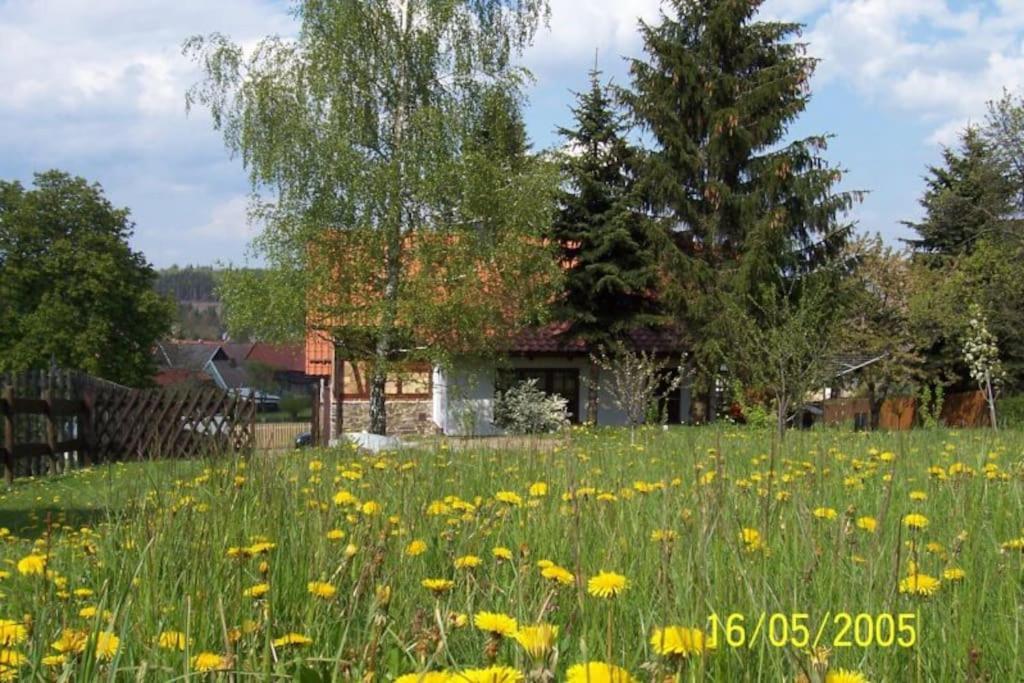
(96, 87)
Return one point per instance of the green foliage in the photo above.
(742, 203)
(930, 400)
(601, 226)
(967, 199)
(1011, 411)
(880, 325)
(403, 209)
(72, 292)
(294, 405)
(191, 283)
(782, 341)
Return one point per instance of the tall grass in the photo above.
(157, 557)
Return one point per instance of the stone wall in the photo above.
(404, 416)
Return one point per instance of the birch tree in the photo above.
(397, 216)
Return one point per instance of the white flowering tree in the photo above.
(636, 381)
(981, 354)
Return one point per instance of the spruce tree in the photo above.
(968, 198)
(601, 228)
(742, 205)
(603, 233)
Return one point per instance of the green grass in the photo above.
(156, 555)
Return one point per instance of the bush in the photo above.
(1011, 411)
(525, 409)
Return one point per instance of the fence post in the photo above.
(51, 430)
(8, 411)
(86, 432)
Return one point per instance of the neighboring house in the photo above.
(230, 367)
(459, 400)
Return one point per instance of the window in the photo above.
(564, 382)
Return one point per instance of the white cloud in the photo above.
(228, 221)
(926, 58)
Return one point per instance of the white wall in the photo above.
(464, 395)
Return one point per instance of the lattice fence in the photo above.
(52, 420)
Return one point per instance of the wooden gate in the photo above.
(170, 422)
(52, 420)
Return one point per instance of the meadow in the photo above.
(696, 554)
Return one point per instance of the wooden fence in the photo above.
(53, 420)
(274, 436)
(966, 409)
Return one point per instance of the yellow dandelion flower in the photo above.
(345, 498)
(537, 640)
(54, 660)
(370, 508)
(256, 592)
(682, 641)
(106, 645)
(321, 589)
(437, 586)
(12, 632)
(172, 640)
(502, 553)
(751, 538)
(494, 674)
(954, 574)
(598, 672)
(509, 498)
(663, 535)
(919, 584)
(915, 521)
(416, 547)
(291, 639)
(868, 524)
(71, 641)
(845, 676)
(335, 535)
(558, 575)
(32, 565)
(606, 584)
(825, 513)
(425, 677)
(538, 489)
(467, 562)
(496, 623)
(210, 661)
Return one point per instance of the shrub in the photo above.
(1011, 411)
(525, 409)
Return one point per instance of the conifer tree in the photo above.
(967, 198)
(603, 233)
(601, 228)
(742, 204)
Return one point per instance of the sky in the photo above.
(97, 88)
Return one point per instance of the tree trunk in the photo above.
(991, 400)
(874, 407)
(781, 418)
(378, 408)
(592, 393)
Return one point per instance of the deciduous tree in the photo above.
(72, 291)
(399, 207)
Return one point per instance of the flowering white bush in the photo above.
(525, 409)
(981, 354)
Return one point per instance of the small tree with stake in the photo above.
(981, 353)
(780, 341)
(635, 380)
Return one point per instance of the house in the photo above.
(232, 366)
(459, 400)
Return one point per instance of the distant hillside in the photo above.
(191, 283)
(200, 314)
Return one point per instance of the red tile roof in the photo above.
(552, 339)
(290, 357)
